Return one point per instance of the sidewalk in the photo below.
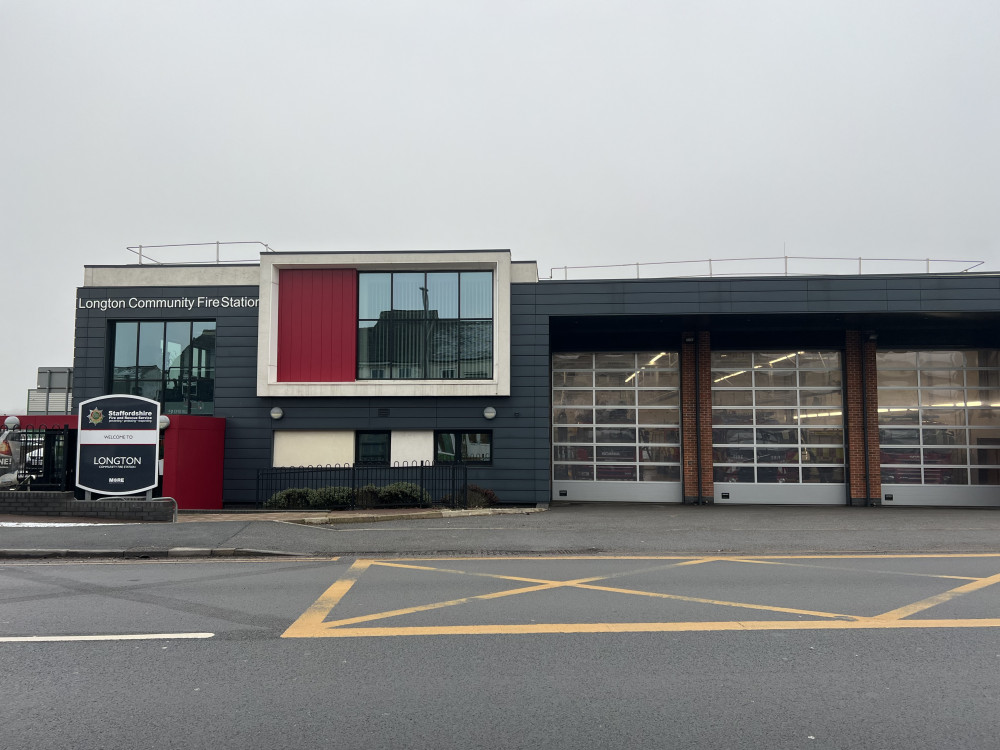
(596, 529)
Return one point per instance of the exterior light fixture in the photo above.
(12, 423)
(277, 412)
(489, 412)
(164, 421)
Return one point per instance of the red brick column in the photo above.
(696, 417)
(861, 420)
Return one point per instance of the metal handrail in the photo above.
(139, 250)
(712, 272)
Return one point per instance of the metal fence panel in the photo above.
(363, 486)
(42, 459)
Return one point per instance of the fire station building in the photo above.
(835, 390)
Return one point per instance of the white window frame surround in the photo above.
(267, 340)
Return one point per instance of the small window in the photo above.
(463, 447)
(371, 449)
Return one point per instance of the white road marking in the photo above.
(126, 637)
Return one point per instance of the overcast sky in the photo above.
(570, 132)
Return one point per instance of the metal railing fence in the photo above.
(362, 486)
(38, 458)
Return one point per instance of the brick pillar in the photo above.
(861, 420)
(696, 417)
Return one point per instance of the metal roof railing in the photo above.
(144, 257)
(710, 266)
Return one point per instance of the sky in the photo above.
(571, 132)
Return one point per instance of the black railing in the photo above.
(362, 486)
(38, 458)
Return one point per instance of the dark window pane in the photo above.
(649, 473)
(409, 291)
(373, 448)
(739, 437)
(823, 474)
(442, 295)
(442, 355)
(373, 350)
(477, 447)
(151, 347)
(778, 474)
(740, 474)
(578, 472)
(374, 295)
(408, 348)
(616, 473)
(476, 341)
(126, 340)
(660, 454)
(573, 453)
(444, 447)
(900, 475)
(616, 453)
(477, 294)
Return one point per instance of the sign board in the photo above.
(118, 445)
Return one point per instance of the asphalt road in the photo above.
(506, 652)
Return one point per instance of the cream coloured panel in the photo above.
(313, 447)
(412, 446)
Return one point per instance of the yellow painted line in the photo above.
(428, 568)
(933, 601)
(647, 627)
(452, 603)
(852, 570)
(313, 617)
(815, 556)
(718, 602)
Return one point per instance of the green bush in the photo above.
(329, 498)
(294, 497)
(404, 493)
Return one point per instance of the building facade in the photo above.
(798, 390)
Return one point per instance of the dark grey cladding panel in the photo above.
(692, 296)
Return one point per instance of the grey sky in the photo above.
(570, 132)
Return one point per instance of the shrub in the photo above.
(294, 497)
(331, 497)
(472, 496)
(404, 493)
(367, 496)
(479, 497)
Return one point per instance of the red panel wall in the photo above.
(193, 449)
(317, 325)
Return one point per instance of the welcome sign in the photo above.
(118, 445)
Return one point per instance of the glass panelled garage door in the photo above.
(616, 426)
(778, 427)
(939, 427)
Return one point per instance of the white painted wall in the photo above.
(313, 447)
(411, 445)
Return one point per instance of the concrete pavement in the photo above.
(622, 529)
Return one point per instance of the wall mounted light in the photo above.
(489, 412)
(277, 412)
(164, 421)
(12, 423)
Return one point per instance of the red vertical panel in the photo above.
(317, 325)
(193, 449)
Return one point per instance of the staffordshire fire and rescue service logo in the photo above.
(96, 416)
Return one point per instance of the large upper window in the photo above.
(172, 362)
(435, 325)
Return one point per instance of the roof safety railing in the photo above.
(140, 250)
(711, 266)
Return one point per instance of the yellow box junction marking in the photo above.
(313, 623)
